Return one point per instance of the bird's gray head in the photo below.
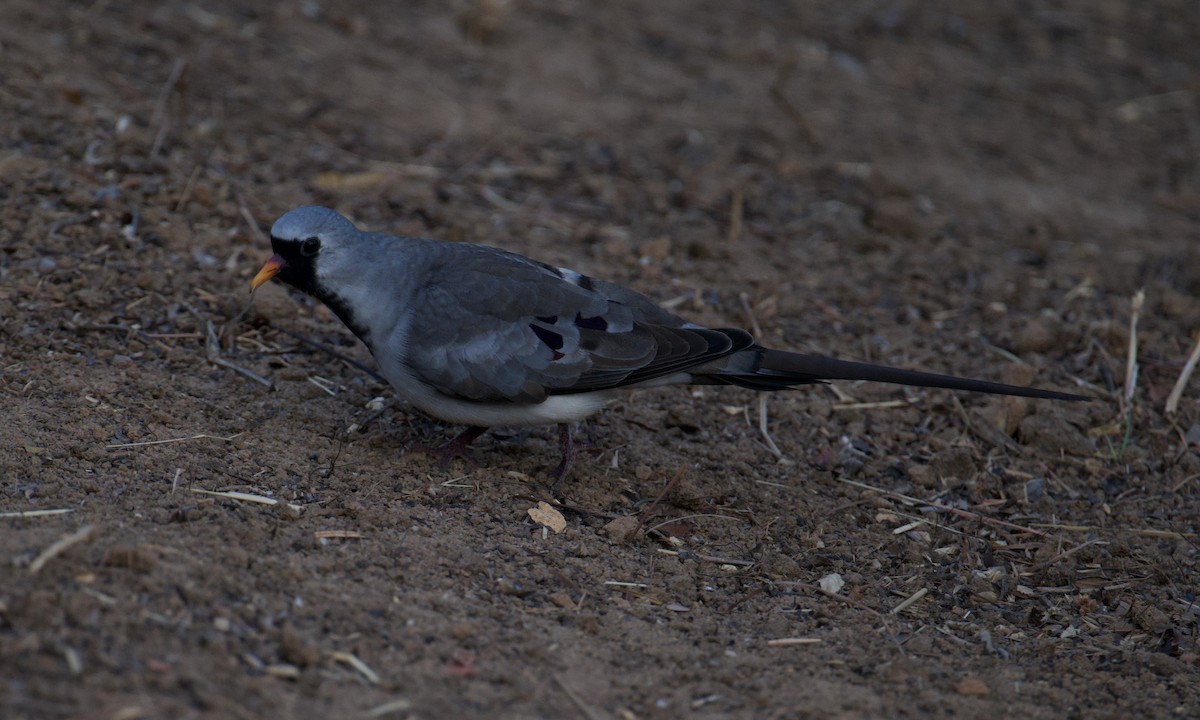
(299, 238)
(321, 253)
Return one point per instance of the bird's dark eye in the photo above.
(310, 247)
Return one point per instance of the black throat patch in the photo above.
(300, 271)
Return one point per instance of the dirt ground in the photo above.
(972, 187)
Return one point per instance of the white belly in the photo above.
(553, 410)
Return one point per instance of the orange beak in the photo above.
(269, 270)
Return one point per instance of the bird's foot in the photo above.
(451, 450)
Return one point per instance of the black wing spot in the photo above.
(548, 319)
(553, 340)
(586, 283)
(551, 268)
(592, 323)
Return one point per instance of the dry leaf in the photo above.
(545, 514)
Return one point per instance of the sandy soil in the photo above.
(971, 187)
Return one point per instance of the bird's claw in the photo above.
(451, 450)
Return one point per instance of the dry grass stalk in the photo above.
(212, 349)
(35, 513)
(1145, 532)
(693, 516)
(793, 641)
(748, 309)
(188, 187)
(766, 434)
(736, 211)
(882, 405)
(259, 239)
(326, 385)
(335, 354)
(1184, 376)
(246, 497)
(818, 590)
(910, 601)
(400, 705)
(60, 546)
(986, 431)
(662, 494)
(354, 662)
(588, 711)
(161, 117)
(910, 526)
(946, 508)
(338, 535)
(709, 558)
(201, 436)
(1131, 363)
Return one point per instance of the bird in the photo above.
(479, 336)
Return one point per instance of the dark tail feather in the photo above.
(777, 369)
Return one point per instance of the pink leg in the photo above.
(445, 453)
(569, 450)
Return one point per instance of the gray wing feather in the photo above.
(489, 325)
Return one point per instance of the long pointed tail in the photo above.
(776, 369)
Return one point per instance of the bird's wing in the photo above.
(489, 325)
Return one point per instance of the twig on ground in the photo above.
(1145, 532)
(212, 350)
(188, 187)
(986, 432)
(668, 521)
(52, 231)
(160, 108)
(248, 216)
(1181, 483)
(654, 505)
(588, 711)
(334, 353)
(751, 318)
(1068, 553)
(787, 106)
